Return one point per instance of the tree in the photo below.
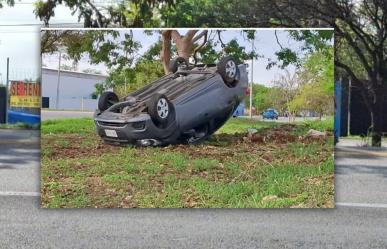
(133, 13)
(312, 98)
(263, 98)
(91, 71)
(288, 83)
(186, 47)
(361, 26)
(128, 70)
(7, 2)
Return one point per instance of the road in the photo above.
(46, 115)
(281, 119)
(360, 221)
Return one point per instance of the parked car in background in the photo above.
(185, 106)
(270, 114)
(240, 110)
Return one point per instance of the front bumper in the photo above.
(139, 130)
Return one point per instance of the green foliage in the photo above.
(128, 71)
(238, 52)
(263, 98)
(7, 2)
(316, 76)
(320, 125)
(209, 53)
(153, 53)
(138, 13)
(131, 79)
(312, 97)
(313, 41)
(80, 126)
(286, 56)
(199, 13)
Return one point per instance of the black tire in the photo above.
(160, 109)
(106, 100)
(229, 70)
(175, 63)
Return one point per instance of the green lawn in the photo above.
(274, 168)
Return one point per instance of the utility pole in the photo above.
(251, 83)
(7, 92)
(58, 83)
(349, 106)
(125, 84)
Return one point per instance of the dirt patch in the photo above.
(72, 146)
(225, 147)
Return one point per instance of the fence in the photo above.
(354, 113)
(80, 104)
(3, 106)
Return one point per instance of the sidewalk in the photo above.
(12, 136)
(359, 143)
(360, 174)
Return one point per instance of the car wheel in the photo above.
(106, 100)
(229, 70)
(160, 109)
(175, 63)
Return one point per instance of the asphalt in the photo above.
(53, 114)
(11, 136)
(24, 225)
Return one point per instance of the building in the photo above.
(75, 89)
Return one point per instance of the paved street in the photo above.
(45, 115)
(281, 119)
(361, 175)
(360, 180)
(19, 162)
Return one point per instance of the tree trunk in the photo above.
(377, 119)
(185, 45)
(165, 54)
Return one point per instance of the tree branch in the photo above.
(199, 47)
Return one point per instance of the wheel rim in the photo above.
(162, 108)
(230, 69)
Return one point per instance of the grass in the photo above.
(229, 170)
(81, 126)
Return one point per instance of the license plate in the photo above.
(111, 133)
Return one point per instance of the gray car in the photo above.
(185, 106)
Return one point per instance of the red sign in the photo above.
(24, 94)
(20, 88)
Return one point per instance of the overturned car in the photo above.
(185, 106)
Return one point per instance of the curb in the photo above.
(382, 152)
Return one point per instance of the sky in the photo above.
(19, 38)
(21, 44)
